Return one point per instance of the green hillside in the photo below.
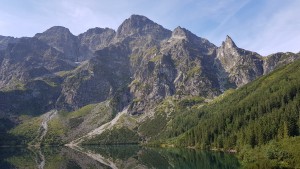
(264, 111)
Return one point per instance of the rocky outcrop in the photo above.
(240, 65)
(141, 26)
(36, 98)
(97, 79)
(93, 40)
(5, 40)
(194, 59)
(278, 59)
(178, 66)
(28, 59)
(62, 40)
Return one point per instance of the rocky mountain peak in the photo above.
(228, 43)
(97, 30)
(62, 40)
(180, 32)
(92, 40)
(5, 40)
(242, 66)
(138, 21)
(55, 30)
(133, 23)
(138, 18)
(138, 25)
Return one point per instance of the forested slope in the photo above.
(263, 110)
(259, 120)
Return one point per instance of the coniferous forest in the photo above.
(259, 120)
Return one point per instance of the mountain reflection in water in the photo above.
(129, 156)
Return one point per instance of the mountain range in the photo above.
(58, 88)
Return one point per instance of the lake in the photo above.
(129, 156)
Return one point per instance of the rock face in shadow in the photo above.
(29, 59)
(98, 79)
(62, 40)
(92, 40)
(5, 40)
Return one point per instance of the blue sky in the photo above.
(264, 26)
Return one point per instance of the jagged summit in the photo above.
(229, 43)
(61, 39)
(96, 30)
(5, 40)
(134, 22)
(94, 39)
(139, 17)
(55, 29)
(182, 32)
(138, 25)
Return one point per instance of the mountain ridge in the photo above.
(227, 59)
(139, 66)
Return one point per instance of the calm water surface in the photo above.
(114, 157)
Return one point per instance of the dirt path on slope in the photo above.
(75, 143)
(98, 130)
(42, 131)
(42, 162)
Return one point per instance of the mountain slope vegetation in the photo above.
(263, 110)
(259, 120)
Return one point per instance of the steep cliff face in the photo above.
(140, 26)
(152, 83)
(180, 65)
(62, 40)
(92, 40)
(279, 59)
(240, 65)
(5, 40)
(193, 57)
(97, 79)
(28, 59)
(36, 97)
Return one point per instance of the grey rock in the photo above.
(62, 40)
(97, 79)
(93, 40)
(277, 60)
(138, 25)
(5, 40)
(241, 66)
(27, 59)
